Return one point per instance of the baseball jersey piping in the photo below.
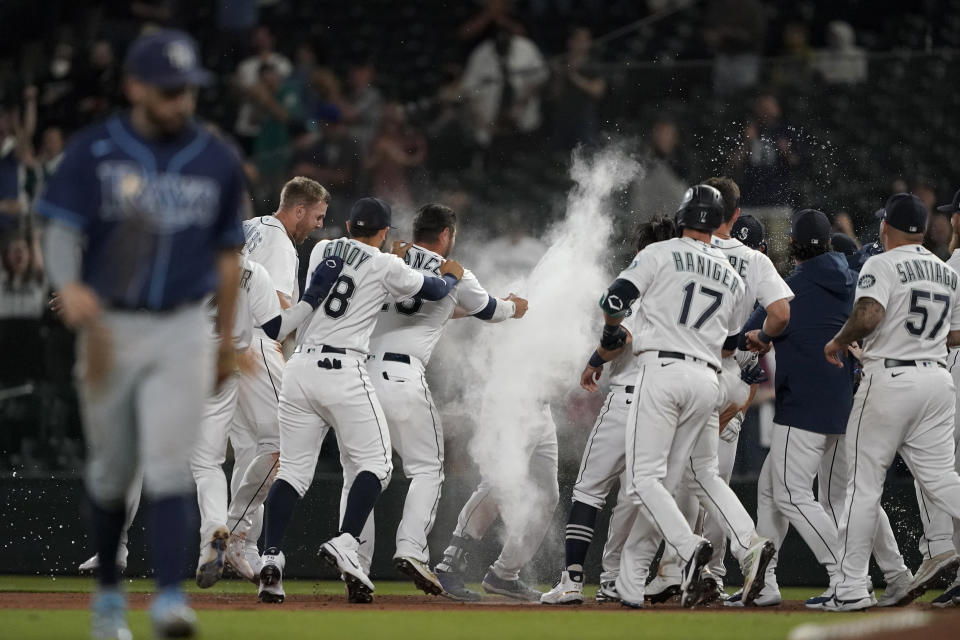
(856, 459)
(265, 366)
(730, 528)
(436, 436)
(386, 456)
(593, 436)
(786, 447)
(833, 461)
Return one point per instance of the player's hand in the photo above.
(590, 377)
(832, 351)
(78, 305)
(400, 249)
(856, 351)
(246, 361)
(754, 343)
(452, 267)
(520, 305)
(731, 430)
(226, 363)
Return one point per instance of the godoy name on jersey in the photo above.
(351, 255)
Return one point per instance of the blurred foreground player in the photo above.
(156, 201)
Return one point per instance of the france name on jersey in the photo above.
(257, 303)
(413, 326)
(921, 305)
(690, 296)
(761, 281)
(369, 277)
(154, 213)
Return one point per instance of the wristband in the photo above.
(596, 361)
(763, 337)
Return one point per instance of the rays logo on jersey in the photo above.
(169, 202)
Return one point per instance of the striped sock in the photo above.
(579, 535)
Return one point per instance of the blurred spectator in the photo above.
(660, 187)
(843, 224)
(98, 85)
(577, 89)
(396, 151)
(502, 82)
(282, 110)
(735, 31)
(794, 66)
(57, 98)
(23, 290)
(15, 157)
(250, 115)
(362, 104)
(938, 236)
(764, 163)
(51, 150)
(332, 158)
(495, 14)
(842, 62)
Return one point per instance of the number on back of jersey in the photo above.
(339, 297)
(921, 303)
(706, 302)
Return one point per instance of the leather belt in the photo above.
(396, 357)
(321, 349)
(676, 355)
(890, 363)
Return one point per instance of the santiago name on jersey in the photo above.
(761, 281)
(691, 298)
(368, 279)
(413, 326)
(921, 305)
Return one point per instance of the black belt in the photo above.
(322, 349)
(396, 357)
(676, 355)
(890, 363)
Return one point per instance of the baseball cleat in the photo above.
(754, 566)
(631, 605)
(421, 574)
(454, 588)
(721, 594)
(690, 587)
(210, 564)
(710, 590)
(341, 552)
(931, 570)
(171, 616)
(769, 597)
(565, 591)
(357, 593)
(860, 604)
(898, 592)
(950, 597)
(252, 554)
(817, 602)
(92, 563)
(235, 557)
(662, 588)
(516, 589)
(109, 616)
(271, 577)
(607, 592)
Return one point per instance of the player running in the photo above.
(326, 384)
(145, 223)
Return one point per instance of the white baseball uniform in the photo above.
(406, 333)
(906, 401)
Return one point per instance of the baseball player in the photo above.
(406, 333)
(144, 216)
(603, 462)
(691, 297)
(813, 403)
(326, 383)
(132, 504)
(272, 242)
(907, 311)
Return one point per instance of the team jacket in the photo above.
(811, 393)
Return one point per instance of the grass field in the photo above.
(448, 623)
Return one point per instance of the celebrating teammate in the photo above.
(145, 223)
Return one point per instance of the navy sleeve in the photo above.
(487, 312)
(229, 225)
(71, 196)
(437, 288)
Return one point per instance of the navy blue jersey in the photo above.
(154, 213)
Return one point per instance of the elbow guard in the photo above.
(618, 298)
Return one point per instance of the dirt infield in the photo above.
(241, 602)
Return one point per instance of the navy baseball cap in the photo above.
(842, 243)
(370, 214)
(810, 227)
(906, 212)
(953, 207)
(748, 230)
(168, 59)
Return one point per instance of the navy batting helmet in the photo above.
(701, 209)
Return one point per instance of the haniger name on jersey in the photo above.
(717, 269)
(932, 270)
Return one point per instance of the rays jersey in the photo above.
(690, 295)
(257, 303)
(413, 326)
(920, 300)
(761, 281)
(369, 278)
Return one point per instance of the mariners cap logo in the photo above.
(744, 232)
(180, 55)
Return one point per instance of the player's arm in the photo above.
(228, 270)
(615, 338)
(473, 300)
(434, 289)
(866, 317)
(321, 281)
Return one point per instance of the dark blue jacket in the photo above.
(811, 393)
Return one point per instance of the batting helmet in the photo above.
(701, 209)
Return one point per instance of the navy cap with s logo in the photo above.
(168, 59)
(906, 212)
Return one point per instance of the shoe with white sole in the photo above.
(754, 567)
(252, 554)
(109, 616)
(236, 558)
(92, 563)
(662, 588)
(171, 616)
(516, 589)
(210, 563)
(271, 577)
(454, 587)
(607, 592)
(769, 597)
(950, 597)
(860, 604)
(691, 589)
(898, 592)
(421, 574)
(817, 602)
(565, 591)
(721, 594)
(341, 552)
(931, 570)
